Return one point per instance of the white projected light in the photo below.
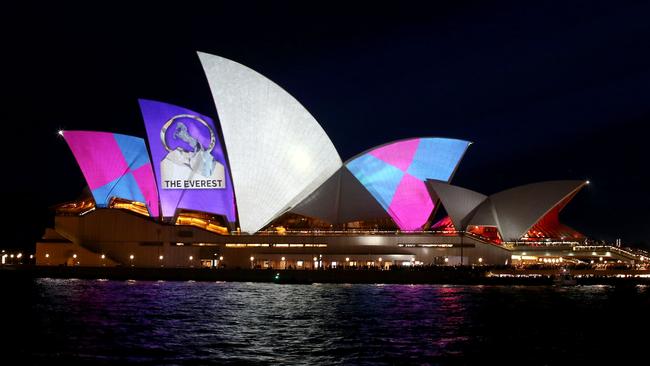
(278, 152)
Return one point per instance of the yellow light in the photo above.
(221, 258)
(446, 260)
(103, 256)
(73, 256)
(47, 255)
(380, 259)
(131, 256)
(282, 259)
(252, 259)
(347, 259)
(480, 260)
(315, 259)
(19, 255)
(191, 257)
(160, 257)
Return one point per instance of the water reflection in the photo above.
(203, 323)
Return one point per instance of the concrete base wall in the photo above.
(120, 234)
(69, 254)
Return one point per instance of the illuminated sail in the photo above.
(114, 165)
(188, 159)
(278, 152)
(395, 175)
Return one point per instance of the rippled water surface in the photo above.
(114, 322)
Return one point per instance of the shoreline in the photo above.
(441, 276)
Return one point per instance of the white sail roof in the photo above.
(278, 152)
(519, 208)
(513, 211)
(459, 202)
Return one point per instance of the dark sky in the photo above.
(545, 90)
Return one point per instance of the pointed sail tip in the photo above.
(204, 56)
(146, 100)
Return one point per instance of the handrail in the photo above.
(352, 231)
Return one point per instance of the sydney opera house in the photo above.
(264, 187)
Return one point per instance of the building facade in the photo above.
(265, 188)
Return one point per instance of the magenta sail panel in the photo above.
(411, 205)
(115, 165)
(188, 160)
(399, 154)
(395, 175)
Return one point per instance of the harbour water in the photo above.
(69, 321)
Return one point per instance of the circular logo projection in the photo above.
(189, 163)
(189, 132)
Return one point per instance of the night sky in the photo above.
(545, 90)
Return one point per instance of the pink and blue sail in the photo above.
(395, 175)
(115, 165)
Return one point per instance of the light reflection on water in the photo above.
(119, 322)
